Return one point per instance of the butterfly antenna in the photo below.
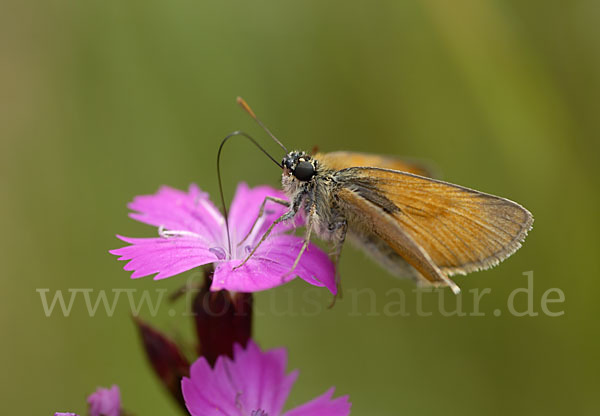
(246, 107)
(229, 136)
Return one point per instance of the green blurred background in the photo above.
(105, 100)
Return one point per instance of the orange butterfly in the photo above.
(411, 224)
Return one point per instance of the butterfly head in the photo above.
(300, 165)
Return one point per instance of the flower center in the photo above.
(219, 252)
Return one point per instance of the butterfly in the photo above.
(411, 224)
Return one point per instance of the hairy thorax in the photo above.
(315, 200)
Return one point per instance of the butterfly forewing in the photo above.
(460, 229)
(342, 160)
(375, 219)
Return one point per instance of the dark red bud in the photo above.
(222, 320)
(166, 359)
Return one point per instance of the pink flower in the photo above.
(193, 232)
(105, 402)
(254, 383)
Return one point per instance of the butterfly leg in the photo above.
(262, 211)
(287, 216)
(339, 230)
(309, 222)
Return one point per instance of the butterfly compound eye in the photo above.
(304, 171)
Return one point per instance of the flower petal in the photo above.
(206, 394)
(261, 378)
(177, 210)
(314, 267)
(323, 406)
(253, 380)
(105, 402)
(165, 256)
(245, 208)
(270, 267)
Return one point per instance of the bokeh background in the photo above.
(105, 100)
